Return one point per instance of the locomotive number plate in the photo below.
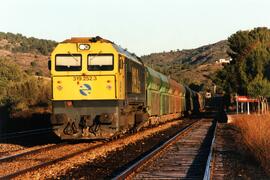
(84, 78)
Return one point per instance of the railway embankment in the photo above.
(242, 148)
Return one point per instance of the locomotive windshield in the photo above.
(68, 62)
(100, 62)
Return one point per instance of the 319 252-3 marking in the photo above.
(84, 78)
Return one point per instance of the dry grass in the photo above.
(255, 130)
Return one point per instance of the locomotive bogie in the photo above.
(94, 119)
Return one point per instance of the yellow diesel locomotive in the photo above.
(100, 90)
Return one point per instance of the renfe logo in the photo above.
(85, 89)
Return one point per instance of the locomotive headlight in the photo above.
(84, 46)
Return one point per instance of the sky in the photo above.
(141, 26)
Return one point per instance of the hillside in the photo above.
(31, 54)
(193, 66)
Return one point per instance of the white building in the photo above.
(224, 61)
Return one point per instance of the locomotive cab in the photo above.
(84, 74)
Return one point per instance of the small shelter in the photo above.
(248, 104)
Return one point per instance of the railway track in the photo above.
(13, 157)
(19, 164)
(185, 156)
(218, 171)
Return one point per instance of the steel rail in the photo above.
(207, 172)
(129, 171)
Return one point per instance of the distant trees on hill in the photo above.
(18, 90)
(189, 65)
(20, 43)
(249, 71)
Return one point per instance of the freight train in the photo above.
(100, 90)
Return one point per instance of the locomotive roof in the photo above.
(119, 49)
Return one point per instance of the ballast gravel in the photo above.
(105, 161)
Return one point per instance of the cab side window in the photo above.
(100, 62)
(134, 79)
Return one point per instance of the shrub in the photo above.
(39, 73)
(19, 91)
(29, 72)
(31, 92)
(33, 63)
(9, 71)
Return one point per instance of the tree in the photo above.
(259, 87)
(249, 68)
(196, 87)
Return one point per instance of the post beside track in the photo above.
(186, 155)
